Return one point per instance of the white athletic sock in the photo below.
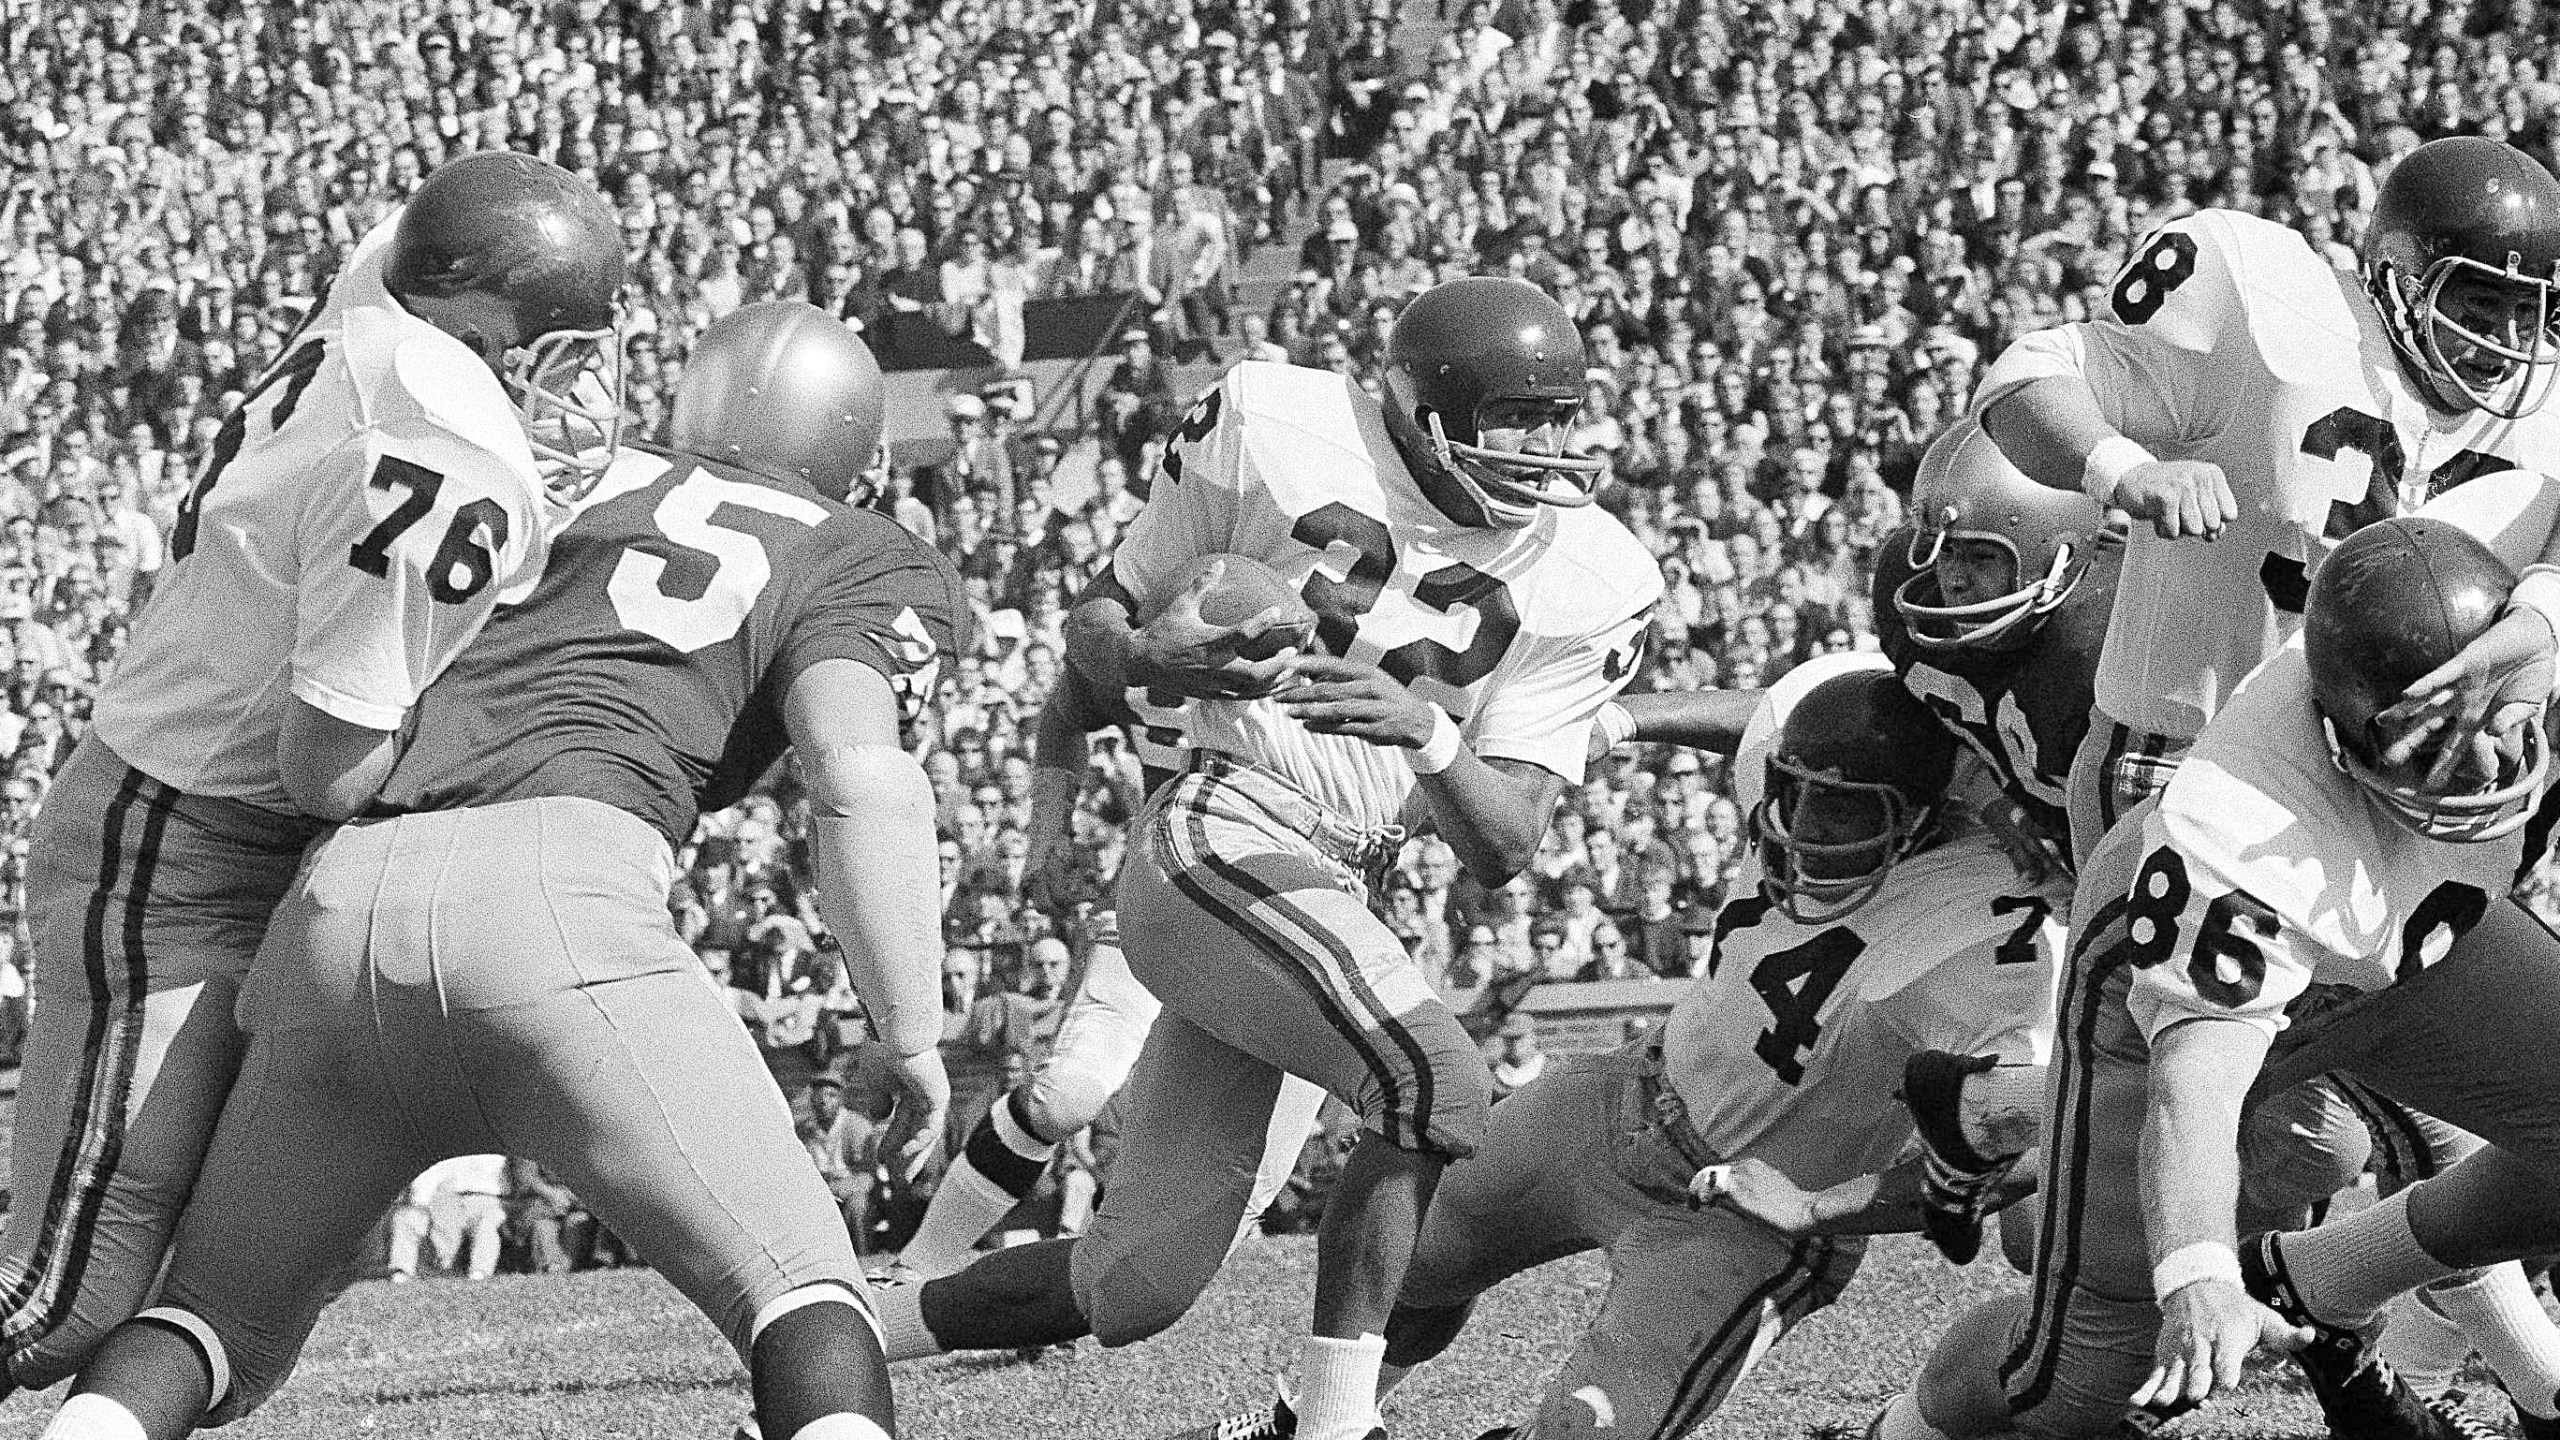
(2003, 1109)
(900, 1311)
(2497, 1310)
(2347, 1269)
(841, 1427)
(963, 1210)
(2426, 1349)
(971, 1201)
(1338, 1387)
(1901, 1421)
(94, 1417)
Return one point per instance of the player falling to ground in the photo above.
(1108, 1018)
(486, 964)
(1475, 611)
(360, 515)
(1887, 925)
(2322, 405)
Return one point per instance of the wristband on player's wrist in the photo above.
(2184, 1266)
(2108, 463)
(2539, 592)
(1440, 751)
(1616, 725)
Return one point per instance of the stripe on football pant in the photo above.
(1255, 910)
(1720, 1360)
(2028, 1370)
(93, 1138)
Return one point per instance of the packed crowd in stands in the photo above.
(1795, 234)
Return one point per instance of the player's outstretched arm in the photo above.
(879, 884)
(1886, 1202)
(2200, 1072)
(331, 768)
(1701, 719)
(2053, 429)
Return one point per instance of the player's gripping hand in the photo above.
(2498, 683)
(1345, 697)
(922, 1112)
(2207, 1329)
(2178, 498)
(2039, 854)
(1181, 652)
(1758, 1189)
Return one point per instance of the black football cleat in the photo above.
(2361, 1396)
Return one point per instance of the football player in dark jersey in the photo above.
(485, 961)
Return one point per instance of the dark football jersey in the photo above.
(648, 666)
(2024, 710)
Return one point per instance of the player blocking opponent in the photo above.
(360, 515)
(1108, 1017)
(1476, 611)
(2433, 369)
(486, 962)
(1886, 925)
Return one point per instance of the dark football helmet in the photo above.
(786, 390)
(2467, 214)
(1968, 490)
(1853, 784)
(1464, 346)
(2392, 602)
(522, 261)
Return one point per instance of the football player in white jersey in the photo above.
(2288, 868)
(1886, 925)
(359, 517)
(2240, 388)
(1106, 1021)
(1476, 610)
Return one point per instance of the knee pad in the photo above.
(1440, 1106)
(1061, 1100)
(2300, 1146)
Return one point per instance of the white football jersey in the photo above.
(2266, 869)
(2231, 341)
(1521, 635)
(360, 514)
(1790, 1048)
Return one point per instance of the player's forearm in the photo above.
(2048, 427)
(879, 885)
(1492, 813)
(331, 768)
(1703, 719)
(2190, 1169)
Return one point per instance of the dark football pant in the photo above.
(145, 906)
(494, 980)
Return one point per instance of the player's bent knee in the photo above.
(822, 1292)
(1442, 1108)
(1136, 1296)
(1062, 1100)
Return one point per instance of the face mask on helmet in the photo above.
(2483, 336)
(567, 385)
(2490, 808)
(1937, 623)
(1509, 481)
(1827, 844)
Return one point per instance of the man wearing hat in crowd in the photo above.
(845, 1145)
(1138, 403)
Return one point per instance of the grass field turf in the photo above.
(618, 1353)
